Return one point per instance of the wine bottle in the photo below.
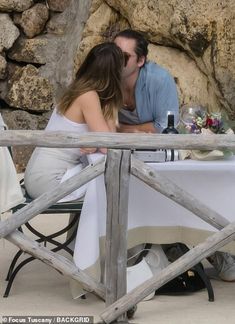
(170, 129)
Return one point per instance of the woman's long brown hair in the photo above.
(101, 72)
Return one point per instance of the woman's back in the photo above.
(47, 166)
(90, 103)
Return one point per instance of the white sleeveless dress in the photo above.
(48, 167)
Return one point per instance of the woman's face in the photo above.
(133, 64)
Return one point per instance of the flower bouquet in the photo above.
(195, 120)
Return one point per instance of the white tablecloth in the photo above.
(154, 218)
(10, 191)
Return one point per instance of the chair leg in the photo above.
(14, 273)
(71, 230)
(15, 259)
(17, 269)
(72, 227)
(13, 263)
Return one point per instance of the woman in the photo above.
(91, 103)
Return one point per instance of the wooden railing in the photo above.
(118, 166)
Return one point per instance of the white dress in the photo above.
(48, 167)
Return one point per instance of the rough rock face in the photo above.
(15, 5)
(58, 5)
(211, 43)
(54, 51)
(8, 32)
(27, 90)
(34, 19)
(3, 65)
(100, 21)
(203, 29)
(60, 69)
(101, 25)
(85, 45)
(57, 24)
(29, 50)
(19, 119)
(193, 85)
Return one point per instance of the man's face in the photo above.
(133, 64)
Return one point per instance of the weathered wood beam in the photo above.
(56, 261)
(117, 177)
(187, 261)
(116, 140)
(50, 197)
(151, 177)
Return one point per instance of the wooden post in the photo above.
(187, 261)
(56, 261)
(50, 197)
(117, 178)
(117, 187)
(169, 189)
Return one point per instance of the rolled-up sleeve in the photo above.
(156, 96)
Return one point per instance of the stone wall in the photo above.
(38, 46)
(194, 40)
(42, 43)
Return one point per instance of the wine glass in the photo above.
(192, 117)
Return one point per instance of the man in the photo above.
(149, 93)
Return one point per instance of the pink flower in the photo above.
(209, 122)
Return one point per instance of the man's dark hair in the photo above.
(141, 42)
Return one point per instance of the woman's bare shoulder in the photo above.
(88, 96)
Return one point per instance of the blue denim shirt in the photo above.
(155, 95)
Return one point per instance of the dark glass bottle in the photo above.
(170, 129)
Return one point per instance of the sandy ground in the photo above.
(40, 290)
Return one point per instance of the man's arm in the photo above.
(140, 128)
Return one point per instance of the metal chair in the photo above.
(73, 208)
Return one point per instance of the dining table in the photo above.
(152, 217)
